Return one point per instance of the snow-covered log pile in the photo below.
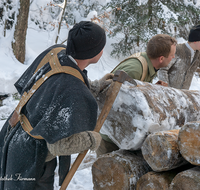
(165, 124)
(146, 108)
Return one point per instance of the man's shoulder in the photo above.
(181, 47)
(133, 62)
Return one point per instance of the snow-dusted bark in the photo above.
(146, 108)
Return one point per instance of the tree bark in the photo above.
(119, 170)
(147, 108)
(186, 180)
(189, 142)
(19, 43)
(160, 150)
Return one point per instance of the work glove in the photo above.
(105, 81)
(76, 143)
(98, 85)
(162, 83)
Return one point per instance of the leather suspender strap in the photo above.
(142, 60)
(56, 68)
(27, 126)
(48, 56)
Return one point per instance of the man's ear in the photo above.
(161, 58)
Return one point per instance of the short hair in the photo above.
(160, 45)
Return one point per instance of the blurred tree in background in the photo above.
(131, 23)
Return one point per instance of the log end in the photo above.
(108, 173)
(153, 180)
(188, 142)
(186, 180)
(160, 150)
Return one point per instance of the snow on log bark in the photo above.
(189, 142)
(146, 108)
(161, 152)
(118, 170)
(186, 180)
(159, 180)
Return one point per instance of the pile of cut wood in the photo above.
(158, 131)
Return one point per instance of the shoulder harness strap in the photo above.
(56, 68)
(142, 60)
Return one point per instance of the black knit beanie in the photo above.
(85, 40)
(194, 34)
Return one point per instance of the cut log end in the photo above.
(153, 180)
(108, 171)
(160, 150)
(119, 170)
(189, 143)
(186, 180)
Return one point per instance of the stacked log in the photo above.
(146, 108)
(119, 170)
(165, 124)
(186, 180)
(161, 151)
(159, 180)
(189, 142)
(155, 180)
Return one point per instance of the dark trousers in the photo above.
(47, 180)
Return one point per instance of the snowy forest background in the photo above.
(130, 22)
(29, 27)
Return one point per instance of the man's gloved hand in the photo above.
(105, 81)
(98, 85)
(96, 140)
(162, 83)
(76, 143)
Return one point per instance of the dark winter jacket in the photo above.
(61, 107)
(180, 71)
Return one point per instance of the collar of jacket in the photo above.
(151, 70)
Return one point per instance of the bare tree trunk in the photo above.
(19, 44)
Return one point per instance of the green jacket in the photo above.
(133, 68)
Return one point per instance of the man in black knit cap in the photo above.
(57, 112)
(180, 71)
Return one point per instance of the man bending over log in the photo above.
(143, 66)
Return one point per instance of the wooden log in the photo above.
(161, 152)
(189, 142)
(118, 170)
(187, 180)
(159, 180)
(146, 108)
(155, 180)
